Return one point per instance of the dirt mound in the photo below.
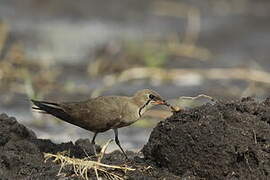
(21, 156)
(228, 140)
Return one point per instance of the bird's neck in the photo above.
(142, 106)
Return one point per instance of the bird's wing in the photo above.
(99, 114)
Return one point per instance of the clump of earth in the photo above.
(227, 140)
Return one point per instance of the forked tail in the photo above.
(51, 108)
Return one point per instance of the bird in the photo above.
(103, 113)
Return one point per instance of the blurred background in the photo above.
(68, 50)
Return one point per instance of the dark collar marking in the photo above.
(141, 108)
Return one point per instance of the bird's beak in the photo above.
(159, 102)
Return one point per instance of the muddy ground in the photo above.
(228, 140)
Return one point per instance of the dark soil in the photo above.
(21, 156)
(221, 141)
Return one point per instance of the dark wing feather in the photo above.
(51, 108)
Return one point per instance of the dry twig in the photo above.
(81, 167)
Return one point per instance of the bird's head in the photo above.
(146, 98)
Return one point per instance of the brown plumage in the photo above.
(103, 113)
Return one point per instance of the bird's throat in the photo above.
(141, 110)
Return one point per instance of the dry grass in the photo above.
(180, 75)
(212, 73)
(82, 167)
(187, 47)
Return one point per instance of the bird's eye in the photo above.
(151, 96)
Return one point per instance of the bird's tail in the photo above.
(51, 108)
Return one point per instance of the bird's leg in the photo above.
(118, 142)
(94, 143)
